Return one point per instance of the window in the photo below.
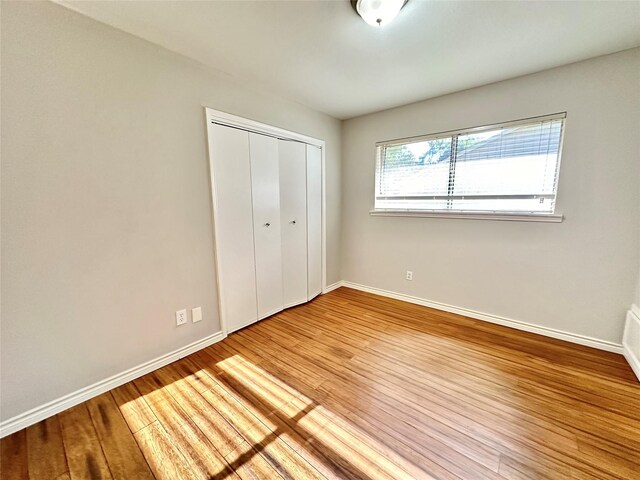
(511, 168)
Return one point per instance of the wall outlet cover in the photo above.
(196, 314)
(181, 317)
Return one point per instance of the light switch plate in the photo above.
(181, 317)
(196, 314)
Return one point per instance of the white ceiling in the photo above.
(321, 54)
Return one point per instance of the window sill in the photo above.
(512, 217)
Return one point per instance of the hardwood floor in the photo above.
(354, 385)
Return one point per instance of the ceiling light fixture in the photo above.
(378, 12)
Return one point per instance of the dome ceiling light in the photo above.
(378, 12)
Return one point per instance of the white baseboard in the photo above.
(333, 286)
(487, 317)
(56, 406)
(631, 339)
(49, 409)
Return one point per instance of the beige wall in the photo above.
(636, 300)
(578, 276)
(106, 217)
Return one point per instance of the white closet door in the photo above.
(231, 182)
(293, 213)
(266, 223)
(314, 220)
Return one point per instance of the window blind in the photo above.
(510, 168)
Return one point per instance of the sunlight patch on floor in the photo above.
(319, 424)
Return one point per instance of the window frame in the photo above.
(478, 215)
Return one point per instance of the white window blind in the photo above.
(506, 168)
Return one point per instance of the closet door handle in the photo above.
(267, 224)
(293, 221)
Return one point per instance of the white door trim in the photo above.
(223, 118)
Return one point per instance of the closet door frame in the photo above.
(213, 117)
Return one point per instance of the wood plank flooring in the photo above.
(354, 386)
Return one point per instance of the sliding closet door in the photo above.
(314, 220)
(293, 214)
(266, 223)
(231, 182)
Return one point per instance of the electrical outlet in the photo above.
(409, 275)
(196, 314)
(181, 317)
